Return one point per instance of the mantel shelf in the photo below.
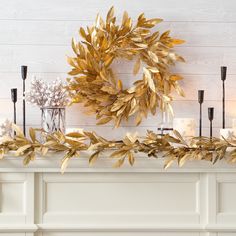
(52, 163)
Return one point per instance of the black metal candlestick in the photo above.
(223, 78)
(24, 75)
(200, 101)
(211, 117)
(14, 100)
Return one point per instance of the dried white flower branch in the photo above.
(45, 94)
(6, 128)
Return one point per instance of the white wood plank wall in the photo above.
(38, 34)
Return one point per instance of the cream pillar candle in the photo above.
(185, 126)
(234, 123)
(74, 130)
(227, 133)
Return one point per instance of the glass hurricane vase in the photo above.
(166, 124)
(53, 119)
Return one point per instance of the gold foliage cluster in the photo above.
(171, 148)
(94, 83)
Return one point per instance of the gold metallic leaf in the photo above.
(131, 137)
(71, 62)
(97, 21)
(104, 120)
(168, 163)
(184, 159)
(110, 15)
(64, 164)
(116, 106)
(177, 41)
(125, 18)
(93, 157)
(44, 151)
(1, 154)
(138, 119)
(176, 77)
(22, 149)
(137, 66)
(109, 89)
(109, 61)
(149, 79)
(75, 135)
(18, 131)
(154, 21)
(32, 134)
(121, 110)
(74, 47)
(170, 109)
(119, 84)
(179, 90)
(131, 158)
(153, 56)
(118, 153)
(82, 33)
(28, 158)
(119, 163)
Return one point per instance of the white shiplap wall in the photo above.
(38, 34)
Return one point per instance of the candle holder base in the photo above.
(163, 131)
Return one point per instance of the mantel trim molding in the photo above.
(52, 163)
(32, 228)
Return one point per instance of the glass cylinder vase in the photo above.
(53, 119)
(166, 124)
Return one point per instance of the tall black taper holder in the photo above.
(14, 100)
(200, 101)
(24, 75)
(223, 78)
(211, 117)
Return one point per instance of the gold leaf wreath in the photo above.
(94, 82)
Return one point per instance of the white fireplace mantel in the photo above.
(195, 200)
(52, 163)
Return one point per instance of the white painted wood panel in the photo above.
(108, 199)
(212, 10)
(39, 32)
(15, 198)
(8, 203)
(226, 208)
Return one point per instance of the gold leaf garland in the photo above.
(94, 83)
(171, 148)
